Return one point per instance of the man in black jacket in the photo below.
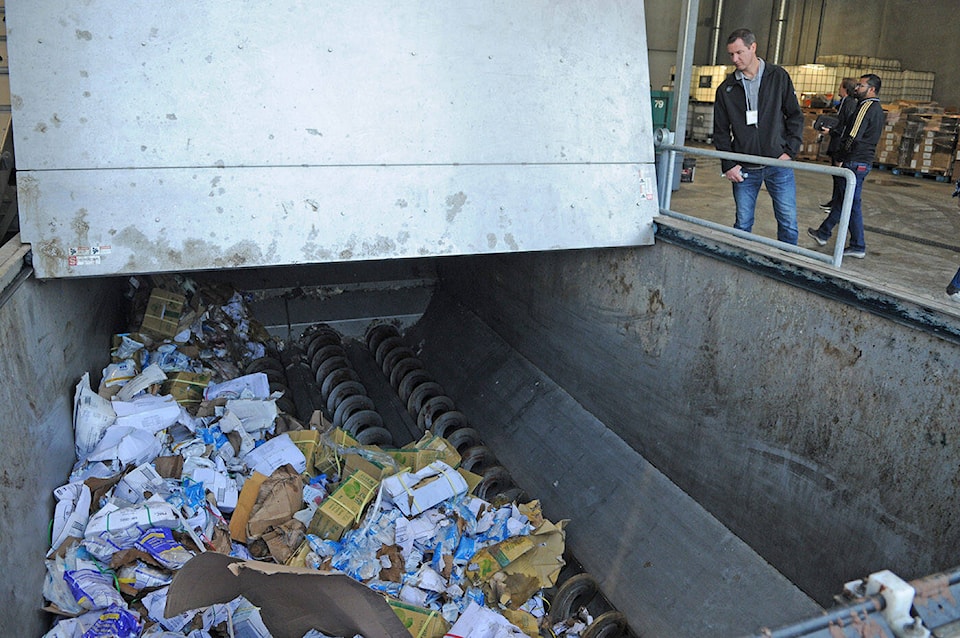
(857, 149)
(756, 112)
(845, 111)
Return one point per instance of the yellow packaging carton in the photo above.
(162, 316)
(420, 622)
(343, 509)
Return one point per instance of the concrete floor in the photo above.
(912, 227)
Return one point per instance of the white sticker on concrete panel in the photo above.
(86, 255)
(648, 182)
(83, 260)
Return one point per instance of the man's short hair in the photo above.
(742, 34)
(872, 80)
(848, 84)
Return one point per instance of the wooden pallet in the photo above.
(940, 176)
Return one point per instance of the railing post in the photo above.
(842, 227)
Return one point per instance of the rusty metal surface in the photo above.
(184, 136)
(817, 430)
(660, 558)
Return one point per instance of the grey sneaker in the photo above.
(854, 252)
(813, 233)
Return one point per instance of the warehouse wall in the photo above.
(821, 434)
(51, 333)
(924, 36)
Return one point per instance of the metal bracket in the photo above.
(898, 597)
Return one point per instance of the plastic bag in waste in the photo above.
(110, 518)
(73, 627)
(92, 415)
(114, 622)
(56, 589)
(93, 589)
(481, 622)
(142, 576)
(159, 543)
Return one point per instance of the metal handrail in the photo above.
(669, 158)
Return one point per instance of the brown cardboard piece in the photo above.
(265, 502)
(186, 388)
(473, 480)
(516, 568)
(292, 600)
(162, 315)
(545, 560)
(490, 560)
(327, 458)
(279, 498)
(169, 466)
(241, 513)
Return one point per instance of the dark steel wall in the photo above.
(823, 435)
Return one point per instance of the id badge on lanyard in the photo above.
(751, 117)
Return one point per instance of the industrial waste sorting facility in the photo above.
(338, 320)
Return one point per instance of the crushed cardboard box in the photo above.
(419, 622)
(186, 388)
(162, 316)
(416, 492)
(265, 502)
(344, 507)
(422, 453)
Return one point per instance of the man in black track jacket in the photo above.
(845, 112)
(756, 112)
(858, 146)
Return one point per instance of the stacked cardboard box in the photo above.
(918, 137)
(933, 143)
(814, 144)
(888, 148)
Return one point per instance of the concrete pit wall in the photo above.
(823, 435)
(50, 334)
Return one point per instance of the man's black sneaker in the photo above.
(813, 233)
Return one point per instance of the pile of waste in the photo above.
(201, 506)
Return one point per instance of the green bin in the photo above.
(660, 108)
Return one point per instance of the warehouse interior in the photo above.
(734, 431)
(918, 34)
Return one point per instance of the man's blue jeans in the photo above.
(857, 242)
(783, 192)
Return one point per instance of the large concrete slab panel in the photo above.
(301, 132)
